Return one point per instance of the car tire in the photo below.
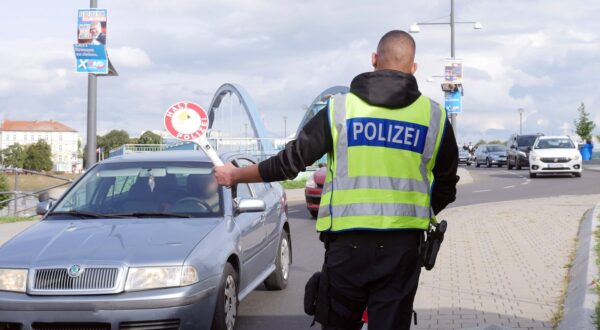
(227, 300)
(477, 163)
(468, 163)
(508, 166)
(314, 213)
(577, 174)
(278, 280)
(488, 163)
(532, 175)
(517, 165)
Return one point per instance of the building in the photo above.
(61, 138)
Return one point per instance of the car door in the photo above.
(266, 192)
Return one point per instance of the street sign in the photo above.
(453, 102)
(188, 121)
(90, 49)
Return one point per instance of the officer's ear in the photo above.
(374, 60)
(414, 68)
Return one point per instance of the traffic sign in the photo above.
(188, 121)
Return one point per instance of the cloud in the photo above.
(129, 57)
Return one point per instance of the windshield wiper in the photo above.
(150, 215)
(85, 214)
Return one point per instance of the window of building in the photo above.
(60, 137)
(15, 137)
(60, 147)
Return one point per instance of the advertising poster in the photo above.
(453, 102)
(90, 49)
(453, 73)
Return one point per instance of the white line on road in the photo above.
(508, 187)
(484, 190)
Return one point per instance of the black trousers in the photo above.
(375, 270)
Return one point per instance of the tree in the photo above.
(584, 126)
(112, 140)
(39, 156)
(149, 138)
(497, 142)
(14, 155)
(4, 187)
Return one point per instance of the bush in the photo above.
(4, 187)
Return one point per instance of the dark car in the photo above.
(490, 154)
(518, 150)
(313, 190)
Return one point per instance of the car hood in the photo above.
(555, 152)
(123, 241)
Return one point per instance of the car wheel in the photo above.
(508, 166)
(227, 301)
(468, 163)
(518, 165)
(488, 163)
(314, 213)
(278, 280)
(477, 163)
(532, 175)
(577, 174)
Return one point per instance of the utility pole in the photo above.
(452, 56)
(284, 127)
(520, 120)
(91, 112)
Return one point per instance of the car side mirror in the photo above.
(43, 207)
(250, 205)
(513, 147)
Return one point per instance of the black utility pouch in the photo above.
(311, 293)
(435, 237)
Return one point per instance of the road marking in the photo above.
(484, 190)
(508, 187)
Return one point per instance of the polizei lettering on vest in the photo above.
(386, 133)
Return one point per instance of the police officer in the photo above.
(386, 144)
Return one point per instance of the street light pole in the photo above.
(452, 56)
(520, 110)
(91, 112)
(284, 127)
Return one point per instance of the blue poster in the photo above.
(453, 102)
(91, 58)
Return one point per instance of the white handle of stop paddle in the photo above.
(208, 149)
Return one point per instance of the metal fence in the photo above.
(23, 203)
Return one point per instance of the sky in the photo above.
(539, 55)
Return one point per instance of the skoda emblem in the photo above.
(75, 271)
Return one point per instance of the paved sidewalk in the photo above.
(501, 264)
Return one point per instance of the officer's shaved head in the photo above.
(395, 51)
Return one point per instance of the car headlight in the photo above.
(146, 278)
(577, 157)
(534, 156)
(310, 183)
(13, 280)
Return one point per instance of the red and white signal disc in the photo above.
(186, 121)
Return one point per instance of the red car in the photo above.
(313, 190)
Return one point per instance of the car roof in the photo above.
(554, 137)
(173, 155)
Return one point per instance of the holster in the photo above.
(432, 244)
(316, 292)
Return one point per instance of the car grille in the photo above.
(150, 325)
(70, 326)
(90, 279)
(555, 160)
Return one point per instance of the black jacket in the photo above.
(385, 88)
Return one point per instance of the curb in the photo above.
(581, 300)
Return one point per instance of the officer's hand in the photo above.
(226, 174)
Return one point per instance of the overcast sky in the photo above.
(543, 56)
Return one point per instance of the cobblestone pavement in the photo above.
(502, 265)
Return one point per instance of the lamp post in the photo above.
(476, 25)
(284, 127)
(91, 112)
(520, 110)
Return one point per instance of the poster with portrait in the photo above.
(90, 49)
(453, 72)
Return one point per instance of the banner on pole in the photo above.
(90, 49)
(453, 102)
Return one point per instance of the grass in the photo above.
(559, 313)
(16, 219)
(32, 182)
(293, 184)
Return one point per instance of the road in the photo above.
(283, 310)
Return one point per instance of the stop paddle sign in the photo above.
(187, 121)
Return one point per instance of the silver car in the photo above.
(146, 241)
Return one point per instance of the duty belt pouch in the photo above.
(311, 292)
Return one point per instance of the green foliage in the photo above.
(584, 125)
(497, 142)
(112, 140)
(149, 138)
(14, 156)
(16, 219)
(293, 184)
(39, 156)
(4, 187)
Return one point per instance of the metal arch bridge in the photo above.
(265, 142)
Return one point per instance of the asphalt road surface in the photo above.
(268, 310)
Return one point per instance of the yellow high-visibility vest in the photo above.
(380, 172)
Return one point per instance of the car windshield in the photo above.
(144, 189)
(526, 140)
(496, 148)
(559, 143)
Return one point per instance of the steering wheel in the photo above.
(194, 202)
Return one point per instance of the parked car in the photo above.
(490, 154)
(464, 157)
(313, 190)
(146, 241)
(554, 155)
(518, 150)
